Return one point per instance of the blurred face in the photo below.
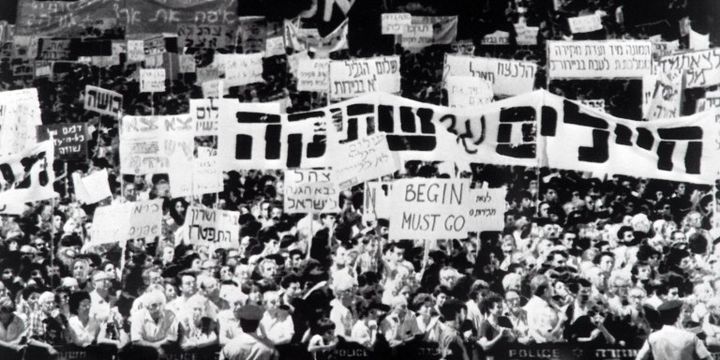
(168, 254)
(170, 292)
(398, 254)
(294, 290)
(197, 312)
(561, 289)
(155, 308)
(644, 272)
(559, 260)
(48, 305)
(154, 278)
(269, 269)
(84, 308)
(254, 296)
(673, 294)
(196, 265)
(296, 260)
(606, 263)
(440, 300)
(496, 309)
(225, 273)
(187, 285)
(340, 256)
(80, 270)
(179, 207)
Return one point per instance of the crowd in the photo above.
(582, 259)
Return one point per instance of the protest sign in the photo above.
(526, 35)
(135, 51)
(26, 176)
(145, 221)
(606, 59)
(313, 75)
(19, 118)
(213, 89)
(205, 36)
(294, 61)
(648, 89)
(585, 24)
(187, 64)
(361, 160)
(496, 38)
(597, 104)
(241, 69)
(42, 70)
(70, 140)
(468, 91)
(417, 36)
(60, 17)
(377, 201)
(355, 77)
(706, 103)
(310, 191)
(92, 188)
(103, 101)
(429, 208)
(509, 77)
(274, 46)
(207, 175)
(152, 80)
(699, 41)
(487, 209)
(667, 96)
(664, 48)
(54, 49)
(214, 228)
(148, 144)
(702, 67)
(394, 23)
(302, 39)
(205, 113)
(157, 17)
(109, 224)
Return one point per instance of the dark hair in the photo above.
(450, 309)
(75, 299)
(289, 279)
(322, 326)
(488, 302)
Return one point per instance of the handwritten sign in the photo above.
(585, 24)
(509, 77)
(310, 191)
(598, 104)
(487, 209)
(103, 101)
(429, 208)
(314, 75)
(135, 51)
(667, 97)
(210, 227)
(606, 59)
(19, 118)
(70, 140)
(355, 77)
(394, 23)
(274, 46)
(377, 200)
(205, 36)
(363, 159)
(152, 80)
(148, 144)
(145, 221)
(702, 67)
(241, 69)
(468, 91)
(496, 38)
(187, 64)
(526, 35)
(707, 103)
(417, 36)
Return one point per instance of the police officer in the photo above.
(248, 345)
(671, 342)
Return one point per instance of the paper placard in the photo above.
(135, 51)
(27, 176)
(430, 208)
(187, 64)
(702, 67)
(274, 46)
(19, 118)
(361, 160)
(417, 36)
(241, 69)
(310, 191)
(496, 38)
(509, 77)
(92, 188)
(103, 101)
(585, 24)
(526, 35)
(468, 91)
(214, 228)
(350, 78)
(377, 200)
(148, 144)
(487, 209)
(314, 75)
(152, 80)
(70, 140)
(394, 23)
(602, 59)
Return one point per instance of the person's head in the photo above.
(102, 282)
(491, 305)
(208, 286)
(328, 220)
(271, 301)
(268, 268)
(325, 328)
(399, 306)
(453, 310)
(292, 286)
(7, 308)
(152, 276)
(130, 193)
(195, 308)
(567, 239)
(296, 258)
(154, 302)
(541, 287)
(187, 284)
(512, 281)
(670, 311)
(558, 258)
(513, 300)
(79, 303)
(396, 253)
(46, 302)
(252, 290)
(171, 291)
(619, 283)
(341, 256)
(81, 270)
(642, 271)
(168, 254)
(605, 261)
(448, 276)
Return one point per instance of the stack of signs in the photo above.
(213, 228)
(103, 101)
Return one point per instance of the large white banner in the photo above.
(430, 208)
(599, 59)
(213, 228)
(103, 101)
(509, 77)
(148, 144)
(19, 118)
(351, 78)
(702, 67)
(310, 191)
(27, 176)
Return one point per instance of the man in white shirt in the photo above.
(340, 314)
(672, 342)
(545, 322)
(400, 326)
(100, 296)
(187, 290)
